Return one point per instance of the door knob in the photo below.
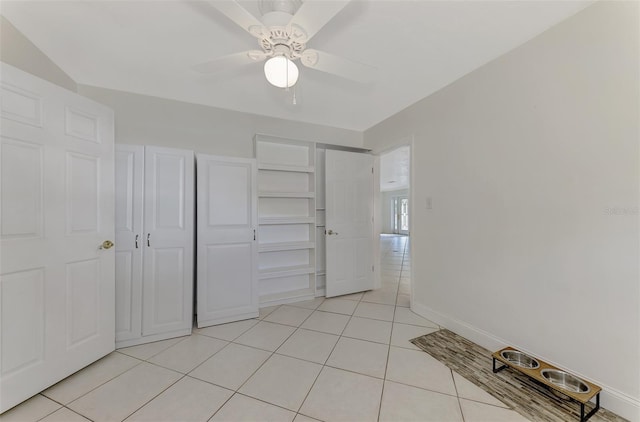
(107, 244)
(332, 232)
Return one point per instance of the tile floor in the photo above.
(341, 359)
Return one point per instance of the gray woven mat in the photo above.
(524, 395)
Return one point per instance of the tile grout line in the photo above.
(455, 386)
(237, 391)
(330, 353)
(386, 366)
(186, 374)
(93, 389)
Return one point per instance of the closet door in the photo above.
(227, 251)
(129, 200)
(168, 240)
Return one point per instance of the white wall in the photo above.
(18, 51)
(148, 120)
(532, 162)
(386, 211)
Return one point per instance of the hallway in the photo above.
(395, 263)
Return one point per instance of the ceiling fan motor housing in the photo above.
(277, 37)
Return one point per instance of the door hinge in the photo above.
(372, 269)
(254, 234)
(371, 170)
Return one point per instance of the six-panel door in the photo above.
(57, 284)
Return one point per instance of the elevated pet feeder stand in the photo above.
(567, 385)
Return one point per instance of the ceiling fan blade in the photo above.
(238, 14)
(232, 60)
(313, 15)
(325, 62)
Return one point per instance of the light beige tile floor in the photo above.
(343, 359)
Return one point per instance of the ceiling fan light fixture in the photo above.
(281, 72)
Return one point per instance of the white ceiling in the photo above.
(394, 169)
(148, 47)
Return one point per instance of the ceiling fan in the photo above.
(283, 32)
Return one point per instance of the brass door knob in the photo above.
(107, 244)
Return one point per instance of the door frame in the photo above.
(409, 141)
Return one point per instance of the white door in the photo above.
(227, 245)
(129, 243)
(349, 222)
(56, 284)
(168, 240)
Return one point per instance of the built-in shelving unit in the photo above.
(286, 219)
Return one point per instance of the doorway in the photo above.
(395, 174)
(394, 208)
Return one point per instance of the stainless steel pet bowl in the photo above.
(520, 359)
(565, 380)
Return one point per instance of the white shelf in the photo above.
(285, 246)
(286, 194)
(282, 167)
(286, 215)
(265, 221)
(285, 271)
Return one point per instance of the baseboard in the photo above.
(154, 337)
(275, 302)
(616, 401)
(227, 319)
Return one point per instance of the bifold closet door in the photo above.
(129, 200)
(168, 240)
(227, 243)
(56, 255)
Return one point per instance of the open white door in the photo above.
(227, 251)
(56, 259)
(349, 222)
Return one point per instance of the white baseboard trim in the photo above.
(616, 401)
(154, 337)
(284, 301)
